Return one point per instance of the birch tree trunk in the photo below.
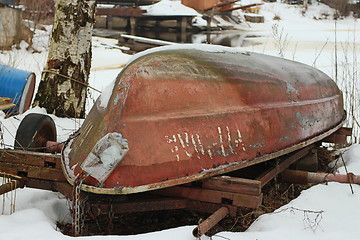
(62, 89)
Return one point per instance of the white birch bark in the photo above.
(69, 59)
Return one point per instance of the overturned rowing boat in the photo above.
(181, 114)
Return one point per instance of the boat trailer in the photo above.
(221, 195)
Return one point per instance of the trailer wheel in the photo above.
(34, 131)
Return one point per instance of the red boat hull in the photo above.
(190, 114)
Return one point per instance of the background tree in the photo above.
(62, 89)
(36, 12)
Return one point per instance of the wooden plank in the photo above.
(233, 184)
(131, 206)
(12, 185)
(6, 103)
(122, 12)
(340, 136)
(5, 100)
(7, 106)
(206, 195)
(284, 164)
(30, 158)
(28, 171)
(336, 138)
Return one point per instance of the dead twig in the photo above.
(342, 159)
(310, 222)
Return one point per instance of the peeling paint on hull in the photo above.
(190, 114)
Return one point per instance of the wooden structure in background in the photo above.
(10, 26)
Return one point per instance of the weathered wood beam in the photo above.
(206, 195)
(120, 12)
(267, 176)
(28, 171)
(12, 185)
(233, 184)
(30, 158)
(6, 103)
(340, 136)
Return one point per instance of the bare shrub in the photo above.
(39, 11)
(281, 40)
(277, 17)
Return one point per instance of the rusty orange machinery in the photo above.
(180, 114)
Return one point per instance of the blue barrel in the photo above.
(19, 85)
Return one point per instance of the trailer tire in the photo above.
(34, 131)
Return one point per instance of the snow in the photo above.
(106, 94)
(324, 211)
(350, 157)
(169, 8)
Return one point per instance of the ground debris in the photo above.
(275, 196)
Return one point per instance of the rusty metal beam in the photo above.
(206, 207)
(266, 177)
(302, 177)
(210, 222)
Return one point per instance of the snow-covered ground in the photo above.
(325, 211)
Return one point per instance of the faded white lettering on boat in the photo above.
(200, 144)
(229, 140)
(194, 143)
(225, 142)
(181, 141)
(187, 139)
(240, 140)
(221, 142)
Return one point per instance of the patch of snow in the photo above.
(66, 160)
(200, 22)
(169, 8)
(351, 157)
(105, 95)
